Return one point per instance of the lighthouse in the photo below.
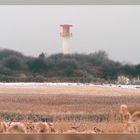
(66, 35)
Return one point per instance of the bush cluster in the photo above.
(97, 66)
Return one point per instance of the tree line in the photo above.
(94, 67)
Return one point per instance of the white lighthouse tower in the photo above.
(65, 34)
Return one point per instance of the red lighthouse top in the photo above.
(66, 25)
(65, 30)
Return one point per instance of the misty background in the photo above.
(35, 29)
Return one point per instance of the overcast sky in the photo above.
(35, 29)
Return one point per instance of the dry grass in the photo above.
(67, 106)
(89, 126)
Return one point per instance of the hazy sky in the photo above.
(35, 29)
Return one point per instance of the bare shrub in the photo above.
(42, 127)
(124, 113)
(133, 124)
(17, 127)
(3, 126)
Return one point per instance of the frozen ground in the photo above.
(67, 84)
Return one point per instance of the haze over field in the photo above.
(35, 29)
